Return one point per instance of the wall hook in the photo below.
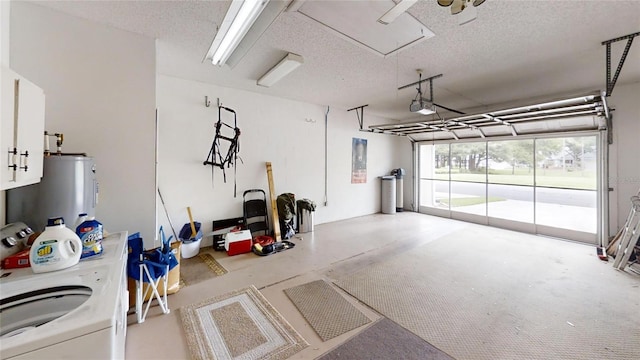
(207, 102)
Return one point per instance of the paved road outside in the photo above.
(583, 198)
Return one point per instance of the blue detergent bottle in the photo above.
(82, 217)
(90, 233)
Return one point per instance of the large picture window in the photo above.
(543, 185)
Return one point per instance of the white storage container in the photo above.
(190, 249)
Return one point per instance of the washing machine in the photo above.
(76, 313)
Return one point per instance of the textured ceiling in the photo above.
(513, 51)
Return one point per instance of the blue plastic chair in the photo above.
(150, 267)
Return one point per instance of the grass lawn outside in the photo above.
(581, 180)
(467, 201)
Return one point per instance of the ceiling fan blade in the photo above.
(458, 6)
(477, 3)
(445, 3)
(396, 11)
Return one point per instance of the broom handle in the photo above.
(193, 226)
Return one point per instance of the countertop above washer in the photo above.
(103, 275)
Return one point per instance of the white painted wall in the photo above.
(5, 31)
(288, 133)
(624, 165)
(100, 92)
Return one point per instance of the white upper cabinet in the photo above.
(22, 130)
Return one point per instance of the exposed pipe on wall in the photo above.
(156, 142)
(326, 165)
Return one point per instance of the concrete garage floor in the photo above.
(332, 250)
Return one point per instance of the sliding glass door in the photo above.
(544, 185)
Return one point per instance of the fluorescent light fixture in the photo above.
(284, 67)
(236, 23)
(259, 27)
(396, 11)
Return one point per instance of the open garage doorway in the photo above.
(540, 184)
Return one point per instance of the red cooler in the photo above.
(238, 242)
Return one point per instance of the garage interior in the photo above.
(523, 167)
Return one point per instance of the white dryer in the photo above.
(76, 313)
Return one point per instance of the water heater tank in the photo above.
(68, 188)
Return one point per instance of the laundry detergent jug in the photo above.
(58, 247)
(90, 233)
(82, 217)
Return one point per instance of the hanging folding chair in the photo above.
(150, 267)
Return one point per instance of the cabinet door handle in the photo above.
(24, 161)
(13, 159)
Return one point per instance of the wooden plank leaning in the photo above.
(274, 206)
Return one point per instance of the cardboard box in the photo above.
(173, 280)
(238, 242)
(18, 260)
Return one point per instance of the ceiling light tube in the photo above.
(238, 20)
(282, 69)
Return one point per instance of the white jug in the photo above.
(58, 247)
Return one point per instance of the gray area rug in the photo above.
(199, 268)
(239, 325)
(328, 313)
(385, 340)
(499, 296)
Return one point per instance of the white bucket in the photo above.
(190, 249)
